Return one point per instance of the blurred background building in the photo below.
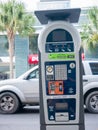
(31, 42)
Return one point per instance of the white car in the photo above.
(16, 93)
(90, 85)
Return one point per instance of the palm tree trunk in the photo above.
(11, 54)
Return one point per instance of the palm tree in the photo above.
(14, 20)
(89, 33)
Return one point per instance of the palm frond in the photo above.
(89, 33)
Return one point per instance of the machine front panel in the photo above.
(59, 40)
(60, 78)
(60, 95)
(61, 110)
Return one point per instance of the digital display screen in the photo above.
(59, 36)
(61, 106)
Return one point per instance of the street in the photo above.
(28, 119)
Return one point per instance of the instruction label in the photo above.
(63, 56)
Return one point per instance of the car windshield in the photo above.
(29, 73)
(33, 74)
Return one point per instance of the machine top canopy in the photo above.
(71, 15)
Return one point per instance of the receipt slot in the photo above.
(61, 91)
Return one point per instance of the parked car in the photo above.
(90, 85)
(16, 93)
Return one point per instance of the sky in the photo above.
(32, 4)
(84, 3)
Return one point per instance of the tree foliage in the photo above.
(89, 33)
(15, 20)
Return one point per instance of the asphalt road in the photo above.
(28, 119)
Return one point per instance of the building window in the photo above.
(3, 45)
(33, 45)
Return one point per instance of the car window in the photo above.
(34, 74)
(94, 68)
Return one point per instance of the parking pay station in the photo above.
(61, 91)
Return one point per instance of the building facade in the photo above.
(32, 42)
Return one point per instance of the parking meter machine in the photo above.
(61, 91)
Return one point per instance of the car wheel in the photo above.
(9, 103)
(92, 102)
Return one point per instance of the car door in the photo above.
(91, 72)
(31, 91)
